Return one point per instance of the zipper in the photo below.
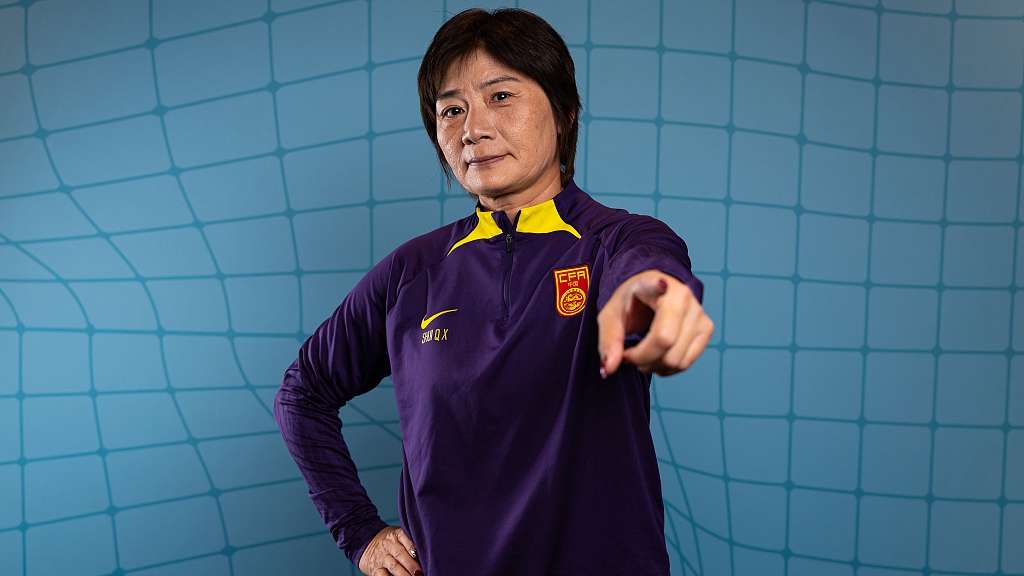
(507, 284)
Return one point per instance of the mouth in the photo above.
(480, 161)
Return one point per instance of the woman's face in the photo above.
(498, 133)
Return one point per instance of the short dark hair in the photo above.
(520, 40)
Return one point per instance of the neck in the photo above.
(513, 202)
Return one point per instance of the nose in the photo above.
(478, 125)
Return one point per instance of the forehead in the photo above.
(475, 67)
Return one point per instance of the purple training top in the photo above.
(517, 457)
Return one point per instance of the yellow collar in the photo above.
(540, 219)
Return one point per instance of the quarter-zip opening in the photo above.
(506, 281)
(507, 289)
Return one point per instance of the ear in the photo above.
(572, 118)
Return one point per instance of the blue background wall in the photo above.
(188, 187)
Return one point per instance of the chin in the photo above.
(487, 188)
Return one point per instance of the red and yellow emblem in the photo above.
(571, 286)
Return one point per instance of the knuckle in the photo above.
(708, 324)
(671, 358)
(663, 337)
(686, 295)
(642, 356)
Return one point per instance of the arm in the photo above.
(649, 287)
(346, 356)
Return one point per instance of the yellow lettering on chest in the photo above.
(435, 335)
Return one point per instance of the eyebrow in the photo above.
(484, 84)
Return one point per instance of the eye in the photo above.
(501, 96)
(451, 112)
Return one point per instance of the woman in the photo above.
(525, 422)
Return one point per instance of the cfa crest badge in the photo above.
(571, 286)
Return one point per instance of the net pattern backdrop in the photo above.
(187, 188)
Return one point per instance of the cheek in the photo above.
(451, 147)
(530, 130)
(539, 129)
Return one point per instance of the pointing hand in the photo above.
(678, 330)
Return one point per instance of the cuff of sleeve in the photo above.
(639, 259)
(358, 537)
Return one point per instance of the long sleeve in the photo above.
(345, 357)
(644, 243)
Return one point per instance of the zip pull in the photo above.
(508, 242)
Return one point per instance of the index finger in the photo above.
(663, 333)
(611, 336)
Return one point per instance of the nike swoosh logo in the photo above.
(426, 321)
